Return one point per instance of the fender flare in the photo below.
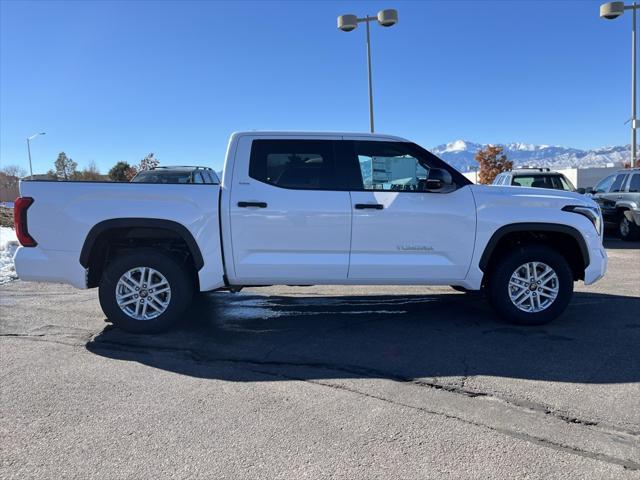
(627, 204)
(533, 227)
(118, 223)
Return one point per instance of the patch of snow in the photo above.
(457, 146)
(8, 246)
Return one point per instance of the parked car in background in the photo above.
(619, 198)
(177, 174)
(535, 177)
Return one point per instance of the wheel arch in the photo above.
(144, 228)
(563, 237)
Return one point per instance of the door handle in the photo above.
(373, 206)
(252, 204)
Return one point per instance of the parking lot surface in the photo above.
(324, 382)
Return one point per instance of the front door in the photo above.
(608, 196)
(403, 233)
(287, 224)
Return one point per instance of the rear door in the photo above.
(401, 232)
(289, 221)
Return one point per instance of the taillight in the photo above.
(20, 207)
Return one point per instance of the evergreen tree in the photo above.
(65, 167)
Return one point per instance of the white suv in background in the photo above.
(535, 178)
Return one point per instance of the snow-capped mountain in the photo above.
(461, 155)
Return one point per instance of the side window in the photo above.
(499, 180)
(619, 183)
(604, 184)
(565, 184)
(197, 177)
(296, 164)
(214, 177)
(634, 186)
(387, 166)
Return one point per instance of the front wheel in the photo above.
(531, 285)
(145, 291)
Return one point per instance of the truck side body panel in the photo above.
(499, 206)
(63, 213)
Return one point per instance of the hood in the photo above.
(529, 195)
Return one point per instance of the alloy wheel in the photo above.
(533, 287)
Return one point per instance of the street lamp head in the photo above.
(611, 10)
(347, 23)
(36, 135)
(388, 18)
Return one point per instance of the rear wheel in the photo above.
(145, 291)
(531, 285)
(627, 229)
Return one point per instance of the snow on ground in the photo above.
(8, 246)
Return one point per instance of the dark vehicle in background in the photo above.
(535, 177)
(177, 174)
(619, 198)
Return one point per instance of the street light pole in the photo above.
(634, 120)
(347, 23)
(368, 19)
(611, 11)
(29, 151)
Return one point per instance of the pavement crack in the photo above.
(366, 372)
(260, 366)
(625, 463)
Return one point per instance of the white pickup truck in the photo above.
(303, 209)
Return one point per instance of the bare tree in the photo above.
(14, 171)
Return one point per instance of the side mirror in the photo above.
(437, 179)
(581, 190)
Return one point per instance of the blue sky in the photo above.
(112, 81)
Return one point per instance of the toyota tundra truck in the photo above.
(309, 209)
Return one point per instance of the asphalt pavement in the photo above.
(324, 382)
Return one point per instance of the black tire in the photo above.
(176, 274)
(628, 230)
(505, 266)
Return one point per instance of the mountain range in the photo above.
(460, 155)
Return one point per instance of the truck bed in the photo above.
(63, 214)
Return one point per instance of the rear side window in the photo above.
(634, 186)
(296, 164)
(213, 177)
(618, 183)
(562, 183)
